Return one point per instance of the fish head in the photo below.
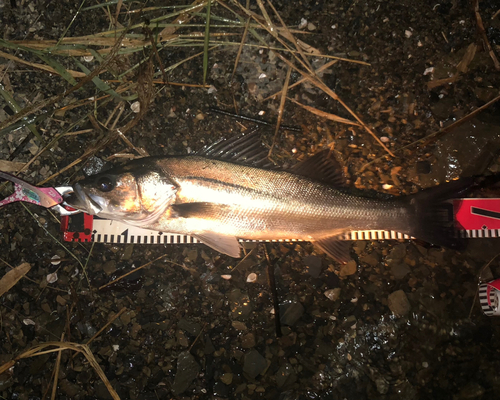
(136, 193)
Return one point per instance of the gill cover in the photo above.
(138, 193)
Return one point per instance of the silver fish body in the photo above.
(218, 196)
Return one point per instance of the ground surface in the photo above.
(186, 332)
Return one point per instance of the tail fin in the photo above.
(432, 216)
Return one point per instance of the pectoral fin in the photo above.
(335, 248)
(222, 243)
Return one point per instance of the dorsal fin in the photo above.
(322, 167)
(245, 148)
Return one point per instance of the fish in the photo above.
(230, 191)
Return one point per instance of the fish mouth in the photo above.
(82, 201)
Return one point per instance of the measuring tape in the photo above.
(476, 218)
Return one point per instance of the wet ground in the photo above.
(401, 321)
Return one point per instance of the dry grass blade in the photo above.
(43, 67)
(323, 114)
(297, 43)
(462, 68)
(12, 277)
(56, 372)
(11, 166)
(484, 36)
(206, 43)
(40, 349)
(16, 108)
(321, 85)
(463, 65)
(242, 43)
(281, 108)
(270, 26)
(44, 103)
(107, 324)
(320, 69)
(184, 17)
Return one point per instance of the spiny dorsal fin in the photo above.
(245, 148)
(322, 167)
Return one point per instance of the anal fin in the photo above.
(222, 243)
(336, 248)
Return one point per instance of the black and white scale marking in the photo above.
(108, 231)
(483, 300)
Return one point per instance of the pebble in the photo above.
(313, 265)
(254, 364)
(52, 278)
(238, 325)
(193, 328)
(399, 271)
(187, 370)
(109, 267)
(398, 303)
(371, 259)
(285, 376)
(227, 378)
(348, 269)
(470, 391)
(248, 341)
(332, 294)
(291, 312)
(398, 252)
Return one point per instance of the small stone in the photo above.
(126, 317)
(227, 378)
(398, 252)
(332, 294)
(313, 265)
(254, 364)
(109, 267)
(56, 260)
(193, 328)
(248, 341)
(61, 300)
(135, 107)
(187, 370)
(399, 271)
(470, 391)
(285, 376)
(291, 312)
(382, 385)
(182, 339)
(370, 259)
(70, 389)
(192, 255)
(52, 278)
(398, 303)
(348, 269)
(311, 26)
(251, 278)
(238, 325)
(127, 252)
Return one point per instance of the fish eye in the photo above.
(105, 184)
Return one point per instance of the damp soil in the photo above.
(400, 321)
